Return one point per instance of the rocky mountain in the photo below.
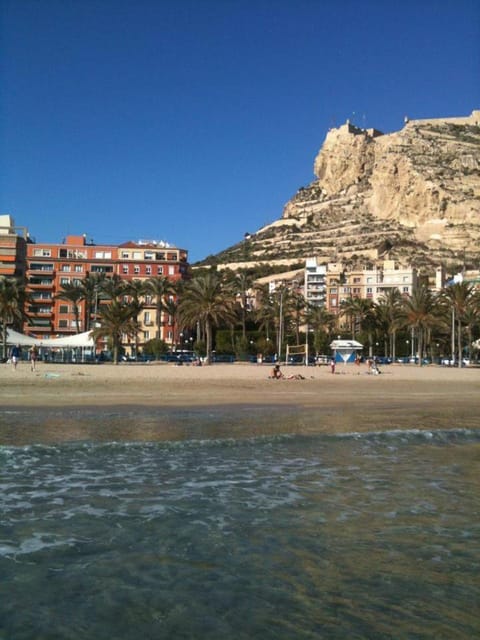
(412, 196)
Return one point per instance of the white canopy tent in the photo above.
(79, 347)
(83, 340)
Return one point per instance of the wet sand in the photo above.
(140, 396)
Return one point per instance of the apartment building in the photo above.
(370, 283)
(13, 242)
(315, 283)
(51, 266)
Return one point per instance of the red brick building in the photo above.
(50, 266)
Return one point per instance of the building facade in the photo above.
(370, 283)
(13, 243)
(50, 267)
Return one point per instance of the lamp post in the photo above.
(280, 327)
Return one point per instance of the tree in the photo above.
(241, 282)
(322, 323)
(205, 299)
(116, 319)
(420, 312)
(458, 295)
(362, 317)
(389, 313)
(162, 289)
(91, 287)
(11, 306)
(73, 293)
(113, 287)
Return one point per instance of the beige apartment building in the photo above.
(370, 283)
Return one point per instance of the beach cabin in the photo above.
(345, 350)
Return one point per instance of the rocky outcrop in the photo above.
(414, 194)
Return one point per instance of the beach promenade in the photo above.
(403, 396)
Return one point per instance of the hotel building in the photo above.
(51, 266)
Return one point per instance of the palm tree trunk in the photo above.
(459, 340)
(208, 332)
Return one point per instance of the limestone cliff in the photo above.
(414, 194)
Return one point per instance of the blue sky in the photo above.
(196, 121)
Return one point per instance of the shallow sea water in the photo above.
(285, 536)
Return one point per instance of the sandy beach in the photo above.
(403, 396)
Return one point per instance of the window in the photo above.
(148, 299)
(103, 255)
(369, 290)
(159, 271)
(125, 255)
(146, 318)
(136, 269)
(148, 255)
(63, 308)
(43, 253)
(125, 268)
(170, 336)
(146, 335)
(405, 289)
(100, 268)
(64, 281)
(137, 255)
(38, 266)
(63, 324)
(171, 256)
(369, 280)
(148, 270)
(171, 270)
(65, 267)
(78, 268)
(333, 302)
(77, 281)
(356, 280)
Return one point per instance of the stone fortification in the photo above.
(413, 194)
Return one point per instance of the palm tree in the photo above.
(265, 312)
(114, 288)
(74, 293)
(471, 319)
(91, 287)
(206, 300)
(420, 312)
(135, 289)
(241, 282)
(171, 309)
(11, 306)
(162, 289)
(388, 312)
(116, 319)
(459, 296)
(362, 317)
(322, 323)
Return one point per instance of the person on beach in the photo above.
(33, 353)
(276, 374)
(332, 365)
(15, 354)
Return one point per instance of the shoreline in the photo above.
(160, 402)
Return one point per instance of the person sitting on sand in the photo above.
(276, 374)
